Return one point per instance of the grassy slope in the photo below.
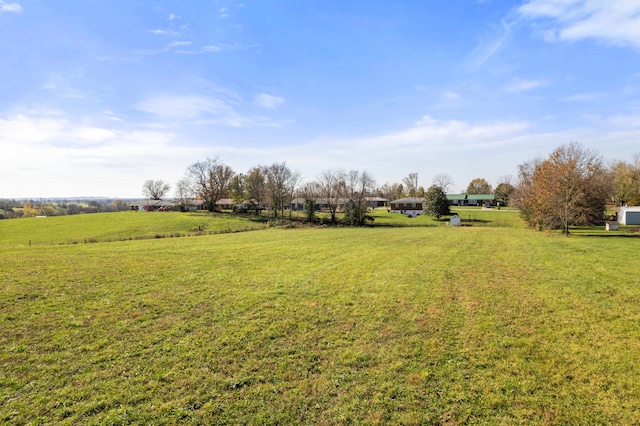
(411, 325)
(116, 226)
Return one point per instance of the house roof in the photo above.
(407, 200)
(156, 203)
(456, 196)
(225, 201)
(376, 199)
(480, 197)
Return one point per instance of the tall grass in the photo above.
(323, 326)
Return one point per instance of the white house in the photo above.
(629, 215)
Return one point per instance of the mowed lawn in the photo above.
(323, 326)
(101, 227)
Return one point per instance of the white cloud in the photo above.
(58, 156)
(452, 96)
(525, 85)
(10, 7)
(198, 109)
(267, 101)
(178, 43)
(489, 46)
(614, 22)
(160, 32)
(583, 97)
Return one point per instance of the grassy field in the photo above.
(101, 227)
(411, 325)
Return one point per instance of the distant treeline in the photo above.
(12, 208)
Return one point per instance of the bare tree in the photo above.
(155, 189)
(330, 183)
(391, 191)
(211, 179)
(444, 181)
(184, 193)
(411, 184)
(309, 193)
(357, 186)
(281, 182)
(255, 187)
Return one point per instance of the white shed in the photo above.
(455, 221)
(629, 215)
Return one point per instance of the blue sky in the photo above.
(97, 97)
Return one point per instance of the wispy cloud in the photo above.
(10, 7)
(489, 46)
(199, 109)
(583, 97)
(452, 96)
(164, 32)
(267, 101)
(615, 22)
(525, 85)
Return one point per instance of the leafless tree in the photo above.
(357, 186)
(256, 187)
(411, 184)
(444, 181)
(281, 183)
(184, 193)
(330, 184)
(155, 189)
(211, 180)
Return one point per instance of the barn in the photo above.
(629, 215)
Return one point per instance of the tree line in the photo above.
(571, 187)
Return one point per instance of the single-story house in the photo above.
(195, 205)
(374, 202)
(629, 215)
(225, 204)
(456, 199)
(486, 200)
(151, 205)
(411, 206)
(321, 204)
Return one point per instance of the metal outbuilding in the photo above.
(629, 215)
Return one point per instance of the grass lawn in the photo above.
(323, 326)
(95, 227)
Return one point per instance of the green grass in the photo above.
(323, 326)
(471, 216)
(97, 227)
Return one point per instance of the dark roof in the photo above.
(407, 200)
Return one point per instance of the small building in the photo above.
(225, 204)
(612, 225)
(411, 206)
(455, 221)
(151, 205)
(629, 215)
(374, 202)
